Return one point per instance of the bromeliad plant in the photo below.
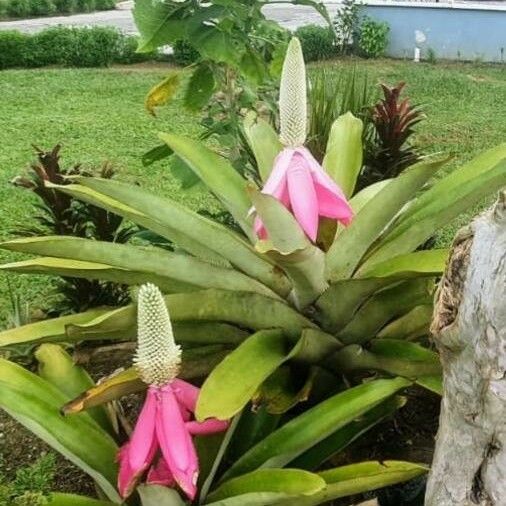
(329, 284)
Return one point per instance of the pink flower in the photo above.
(161, 442)
(299, 182)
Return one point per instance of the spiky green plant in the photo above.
(268, 324)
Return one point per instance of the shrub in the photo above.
(104, 5)
(85, 5)
(65, 6)
(373, 37)
(346, 24)
(41, 7)
(318, 42)
(184, 53)
(18, 8)
(12, 47)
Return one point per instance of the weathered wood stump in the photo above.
(469, 329)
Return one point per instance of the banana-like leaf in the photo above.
(196, 363)
(335, 311)
(414, 324)
(245, 309)
(200, 236)
(263, 141)
(57, 499)
(418, 263)
(343, 157)
(448, 198)
(90, 270)
(288, 245)
(35, 403)
(396, 357)
(48, 330)
(347, 251)
(340, 439)
(234, 381)
(292, 482)
(57, 367)
(217, 174)
(162, 92)
(363, 477)
(157, 495)
(316, 424)
(183, 270)
(386, 305)
(360, 199)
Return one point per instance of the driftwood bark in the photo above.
(469, 329)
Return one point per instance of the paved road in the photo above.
(290, 17)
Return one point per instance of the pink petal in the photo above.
(276, 180)
(211, 426)
(186, 393)
(303, 196)
(319, 174)
(128, 477)
(331, 205)
(176, 443)
(258, 227)
(160, 474)
(143, 440)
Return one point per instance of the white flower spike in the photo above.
(158, 357)
(293, 98)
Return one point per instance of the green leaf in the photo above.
(316, 424)
(253, 499)
(57, 499)
(91, 270)
(162, 92)
(156, 154)
(317, 455)
(413, 324)
(446, 200)
(292, 482)
(360, 199)
(156, 495)
(290, 248)
(386, 305)
(234, 381)
(171, 271)
(350, 246)
(343, 157)
(159, 23)
(366, 476)
(263, 141)
(180, 170)
(198, 235)
(200, 88)
(425, 262)
(216, 45)
(217, 174)
(335, 311)
(35, 403)
(244, 309)
(57, 367)
(253, 67)
(396, 357)
(47, 330)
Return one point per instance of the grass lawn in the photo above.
(98, 116)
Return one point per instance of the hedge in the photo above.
(69, 47)
(318, 42)
(33, 8)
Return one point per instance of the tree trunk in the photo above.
(469, 329)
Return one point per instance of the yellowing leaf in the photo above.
(162, 92)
